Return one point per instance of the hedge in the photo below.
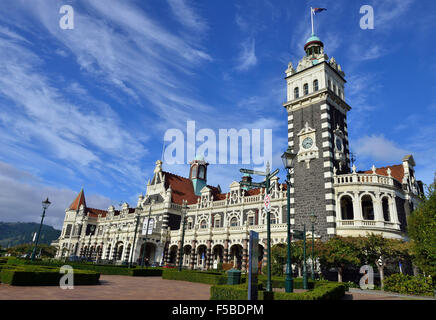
(324, 291)
(406, 284)
(213, 278)
(44, 276)
(100, 268)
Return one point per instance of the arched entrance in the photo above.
(173, 254)
(201, 256)
(150, 252)
(385, 207)
(347, 208)
(236, 256)
(217, 254)
(367, 208)
(187, 255)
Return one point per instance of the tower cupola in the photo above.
(198, 174)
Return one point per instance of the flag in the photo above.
(315, 10)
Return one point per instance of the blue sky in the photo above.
(89, 106)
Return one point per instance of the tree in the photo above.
(379, 252)
(422, 232)
(26, 249)
(340, 253)
(278, 257)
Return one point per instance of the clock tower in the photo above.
(317, 132)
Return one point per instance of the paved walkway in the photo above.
(113, 288)
(358, 294)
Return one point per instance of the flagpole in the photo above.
(311, 18)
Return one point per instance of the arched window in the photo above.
(330, 84)
(201, 173)
(217, 223)
(234, 222)
(203, 224)
(367, 208)
(189, 225)
(334, 88)
(306, 89)
(68, 230)
(315, 85)
(296, 93)
(347, 208)
(385, 206)
(194, 172)
(250, 220)
(120, 252)
(340, 93)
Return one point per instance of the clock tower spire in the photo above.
(317, 132)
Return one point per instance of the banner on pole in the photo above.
(150, 226)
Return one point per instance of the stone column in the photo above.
(178, 257)
(357, 207)
(193, 255)
(226, 251)
(378, 210)
(209, 254)
(244, 254)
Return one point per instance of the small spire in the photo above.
(389, 172)
(354, 168)
(373, 169)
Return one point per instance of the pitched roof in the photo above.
(80, 199)
(182, 188)
(397, 171)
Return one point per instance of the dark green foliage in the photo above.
(15, 233)
(46, 251)
(43, 276)
(421, 228)
(146, 272)
(406, 284)
(195, 276)
(324, 291)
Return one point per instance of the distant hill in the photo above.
(15, 233)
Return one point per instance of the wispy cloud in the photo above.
(247, 57)
(186, 15)
(378, 148)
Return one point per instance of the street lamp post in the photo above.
(45, 205)
(134, 240)
(288, 158)
(313, 220)
(304, 259)
(183, 234)
(146, 233)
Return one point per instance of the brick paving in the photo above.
(113, 287)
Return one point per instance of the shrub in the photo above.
(195, 276)
(146, 272)
(43, 276)
(406, 284)
(324, 291)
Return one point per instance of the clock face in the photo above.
(339, 144)
(307, 143)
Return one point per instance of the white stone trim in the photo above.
(327, 164)
(326, 135)
(330, 207)
(325, 116)
(325, 106)
(328, 185)
(331, 231)
(329, 196)
(328, 174)
(327, 154)
(326, 125)
(331, 219)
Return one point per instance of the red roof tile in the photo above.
(182, 188)
(80, 199)
(397, 171)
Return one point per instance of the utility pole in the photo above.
(265, 184)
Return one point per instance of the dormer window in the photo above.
(306, 89)
(201, 173)
(194, 172)
(315, 85)
(296, 93)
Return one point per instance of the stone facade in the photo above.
(217, 225)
